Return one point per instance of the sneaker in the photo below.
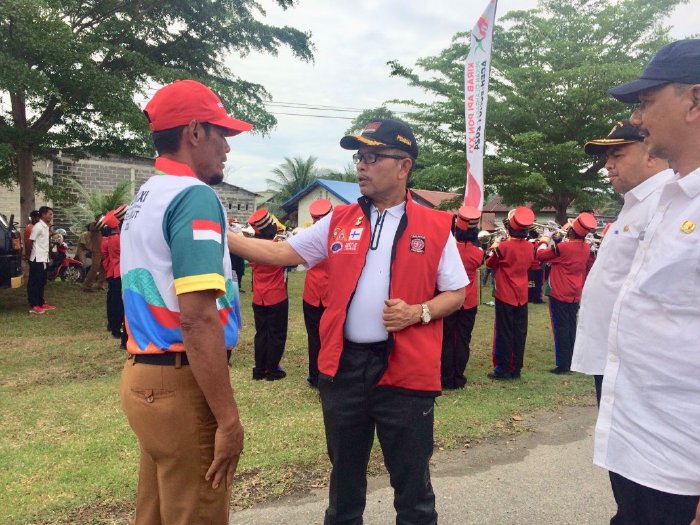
(47, 306)
(36, 310)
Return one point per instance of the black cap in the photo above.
(624, 132)
(678, 62)
(383, 133)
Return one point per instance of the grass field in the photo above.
(67, 454)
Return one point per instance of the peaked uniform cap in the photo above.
(521, 218)
(260, 219)
(320, 208)
(623, 132)
(183, 101)
(584, 224)
(383, 133)
(467, 217)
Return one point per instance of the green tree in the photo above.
(368, 115)
(74, 74)
(550, 72)
(290, 177)
(347, 175)
(88, 204)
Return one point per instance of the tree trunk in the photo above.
(560, 214)
(25, 166)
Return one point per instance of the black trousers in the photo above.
(352, 409)
(563, 316)
(270, 334)
(640, 505)
(115, 305)
(509, 338)
(312, 320)
(36, 283)
(598, 381)
(457, 334)
(534, 291)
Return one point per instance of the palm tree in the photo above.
(292, 176)
(89, 204)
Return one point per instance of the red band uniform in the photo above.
(270, 305)
(458, 326)
(111, 249)
(315, 297)
(511, 259)
(570, 262)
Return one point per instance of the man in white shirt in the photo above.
(381, 332)
(639, 176)
(648, 429)
(38, 250)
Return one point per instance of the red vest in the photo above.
(472, 257)
(269, 287)
(511, 268)
(569, 269)
(414, 352)
(316, 285)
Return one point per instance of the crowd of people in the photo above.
(390, 301)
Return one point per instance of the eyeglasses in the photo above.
(371, 157)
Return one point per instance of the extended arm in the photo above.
(264, 252)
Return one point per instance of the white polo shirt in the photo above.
(364, 320)
(648, 427)
(609, 272)
(40, 237)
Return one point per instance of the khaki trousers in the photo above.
(175, 428)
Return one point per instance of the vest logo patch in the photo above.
(336, 247)
(338, 234)
(355, 234)
(417, 244)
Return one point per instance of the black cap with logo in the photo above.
(678, 62)
(383, 133)
(624, 132)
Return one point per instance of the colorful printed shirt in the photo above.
(173, 241)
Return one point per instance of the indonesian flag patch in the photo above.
(204, 230)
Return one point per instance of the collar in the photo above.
(395, 211)
(646, 188)
(165, 166)
(367, 206)
(690, 184)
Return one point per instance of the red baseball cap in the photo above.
(179, 103)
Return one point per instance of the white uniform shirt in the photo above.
(648, 427)
(609, 271)
(364, 320)
(40, 237)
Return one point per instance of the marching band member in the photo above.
(315, 297)
(570, 262)
(270, 305)
(457, 327)
(511, 259)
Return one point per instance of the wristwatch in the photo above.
(425, 316)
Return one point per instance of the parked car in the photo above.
(10, 253)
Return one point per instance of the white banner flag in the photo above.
(476, 94)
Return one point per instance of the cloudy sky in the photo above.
(353, 40)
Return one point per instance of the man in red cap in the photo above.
(182, 315)
(315, 296)
(458, 326)
(511, 259)
(570, 262)
(394, 273)
(270, 305)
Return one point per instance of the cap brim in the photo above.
(357, 141)
(629, 92)
(233, 126)
(600, 147)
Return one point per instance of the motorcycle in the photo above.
(64, 267)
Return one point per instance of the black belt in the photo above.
(379, 346)
(167, 358)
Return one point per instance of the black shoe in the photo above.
(515, 375)
(559, 371)
(117, 335)
(274, 375)
(499, 376)
(313, 381)
(258, 374)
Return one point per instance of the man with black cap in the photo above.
(570, 262)
(381, 333)
(638, 175)
(648, 430)
(182, 315)
(511, 259)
